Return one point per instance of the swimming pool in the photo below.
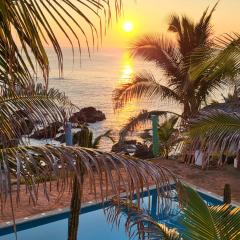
(93, 223)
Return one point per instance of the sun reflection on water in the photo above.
(123, 116)
(125, 76)
(127, 72)
(126, 68)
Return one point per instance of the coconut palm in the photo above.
(168, 134)
(175, 59)
(84, 138)
(221, 62)
(198, 220)
(28, 26)
(216, 131)
(143, 118)
(25, 30)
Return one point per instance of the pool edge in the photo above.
(98, 204)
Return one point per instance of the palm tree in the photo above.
(84, 138)
(222, 61)
(176, 60)
(25, 30)
(198, 220)
(144, 117)
(168, 135)
(216, 131)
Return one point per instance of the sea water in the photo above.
(90, 81)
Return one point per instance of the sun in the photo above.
(128, 26)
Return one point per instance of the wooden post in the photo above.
(154, 119)
(227, 198)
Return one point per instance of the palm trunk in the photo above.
(167, 152)
(238, 160)
(186, 111)
(75, 207)
(84, 140)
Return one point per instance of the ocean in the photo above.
(92, 82)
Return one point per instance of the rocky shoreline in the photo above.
(84, 116)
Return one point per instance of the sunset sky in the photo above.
(152, 16)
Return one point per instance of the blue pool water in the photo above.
(93, 223)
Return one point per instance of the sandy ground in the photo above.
(212, 180)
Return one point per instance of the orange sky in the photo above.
(150, 16)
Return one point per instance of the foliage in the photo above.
(169, 136)
(199, 220)
(28, 26)
(221, 62)
(142, 118)
(25, 30)
(84, 138)
(38, 106)
(66, 163)
(217, 127)
(175, 62)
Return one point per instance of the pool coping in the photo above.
(66, 210)
(94, 203)
(209, 193)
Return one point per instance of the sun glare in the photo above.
(128, 26)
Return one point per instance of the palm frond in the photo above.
(160, 50)
(97, 140)
(207, 222)
(222, 63)
(48, 164)
(166, 128)
(30, 24)
(141, 119)
(191, 35)
(217, 131)
(203, 28)
(144, 85)
(39, 106)
(139, 224)
(174, 24)
(13, 70)
(198, 220)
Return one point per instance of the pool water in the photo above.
(93, 223)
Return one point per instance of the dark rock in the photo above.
(140, 150)
(118, 147)
(88, 115)
(125, 146)
(74, 118)
(143, 151)
(48, 132)
(134, 142)
(60, 138)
